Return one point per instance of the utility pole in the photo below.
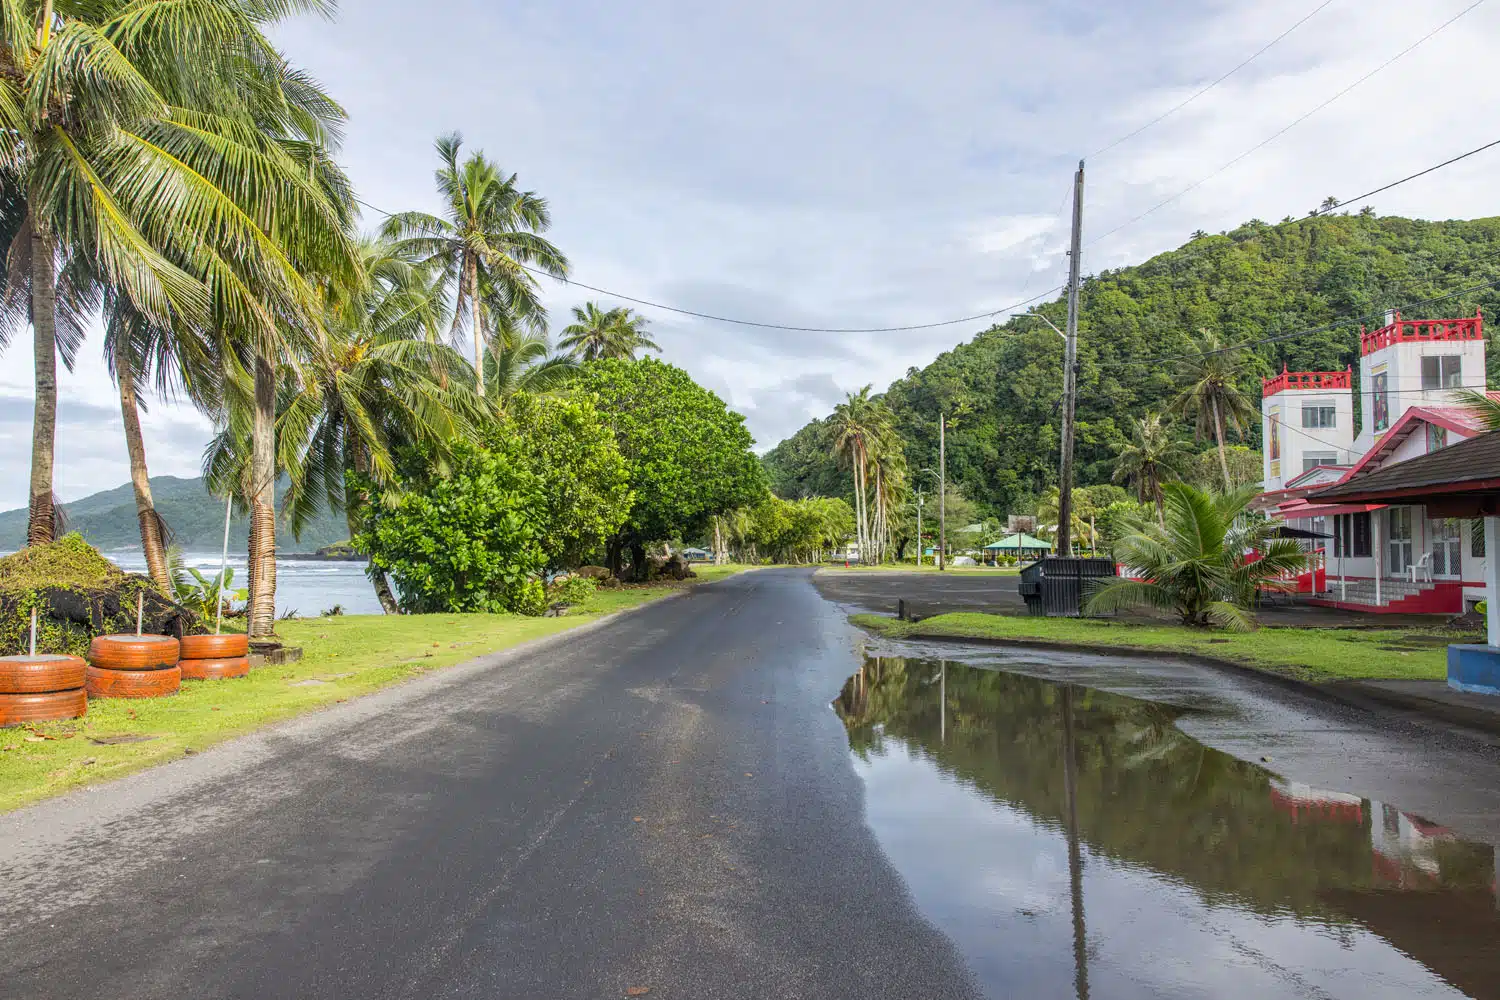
(942, 492)
(1070, 377)
(919, 529)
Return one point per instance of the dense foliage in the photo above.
(477, 532)
(1254, 282)
(688, 454)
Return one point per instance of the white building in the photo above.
(1381, 558)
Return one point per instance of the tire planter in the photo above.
(214, 647)
(41, 674)
(44, 707)
(104, 682)
(213, 670)
(133, 652)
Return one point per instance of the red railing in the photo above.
(1412, 331)
(1305, 380)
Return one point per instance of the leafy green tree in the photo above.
(1203, 470)
(606, 333)
(687, 453)
(490, 233)
(564, 442)
(1194, 563)
(1150, 458)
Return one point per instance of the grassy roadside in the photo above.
(1314, 655)
(344, 657)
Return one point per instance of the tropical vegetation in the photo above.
(1207, 560)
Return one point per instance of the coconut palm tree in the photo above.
(1194, 562)
(485, 246)
(606, 333)
(1149, 458)
(134, 156)
(377, 379)
(1483, 405)
(853, 433)
(1210, 396)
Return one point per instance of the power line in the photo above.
(1286, 128)
(1409, 177)
(976, 317)
(1178, 107)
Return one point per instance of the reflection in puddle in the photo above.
(1074, 842)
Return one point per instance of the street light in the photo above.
(915, 475)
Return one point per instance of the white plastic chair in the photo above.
(1422, 567)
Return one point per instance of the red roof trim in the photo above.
(1398, 432)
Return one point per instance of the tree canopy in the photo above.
(687, 453)
(1135, 323)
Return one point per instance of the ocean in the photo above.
(303, 587)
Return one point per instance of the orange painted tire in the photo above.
(133, 652)
(214, 647)
(45, 707)
(213, 670)
(105, 683)
(41, 674)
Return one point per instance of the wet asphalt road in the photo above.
(665, 802)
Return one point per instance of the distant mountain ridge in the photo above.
(107, 520)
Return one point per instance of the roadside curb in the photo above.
(1472, 723)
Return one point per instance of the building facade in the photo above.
(1373, 557)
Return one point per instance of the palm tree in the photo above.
(606, 333)
(1194, 562)
(1149, 458)
(134, 157)
(485, 246)
(853, 433)
(1210, 397)
(522, 361)
(1483, 406)
(377, 380)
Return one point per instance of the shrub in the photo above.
(529, 599)
(573, 590)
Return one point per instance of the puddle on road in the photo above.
(1153, 866)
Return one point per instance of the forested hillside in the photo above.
(1256, 282)
(107, 520)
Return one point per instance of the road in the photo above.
(665, 801)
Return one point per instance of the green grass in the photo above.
(1315, 655)
(344, 657)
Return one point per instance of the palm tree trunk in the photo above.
(476, 315)
(152, 543)
(1219, 437)
(355, 504)
(262, 561)
(39, 527)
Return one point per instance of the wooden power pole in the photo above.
(1070, 377)
(942, 492)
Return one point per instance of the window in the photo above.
(1442, 371)
(1351, 536)
(1313, 459)
(1319, 416)
(1437, 437)
(1476, 538)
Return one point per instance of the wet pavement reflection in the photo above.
(1073, 842)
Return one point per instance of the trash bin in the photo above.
(1056, 586)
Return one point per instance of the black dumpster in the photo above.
(1057, 585)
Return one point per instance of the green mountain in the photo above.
(107, 520)
(1256, 282)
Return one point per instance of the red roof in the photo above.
(1454, 418)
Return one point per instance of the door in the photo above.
(1398, 541)
(1447, 547)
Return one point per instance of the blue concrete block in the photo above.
(1475, 669)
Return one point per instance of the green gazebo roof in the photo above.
(1018, 541)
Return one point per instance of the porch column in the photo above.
(1492, 577)
(1377, 550)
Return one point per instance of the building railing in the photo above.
(1305, 380)
(1411, 331)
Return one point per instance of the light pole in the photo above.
(925, 471)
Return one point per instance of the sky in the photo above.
(843, 164)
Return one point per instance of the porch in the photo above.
(1393, 559)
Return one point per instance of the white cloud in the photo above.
(840, 164)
